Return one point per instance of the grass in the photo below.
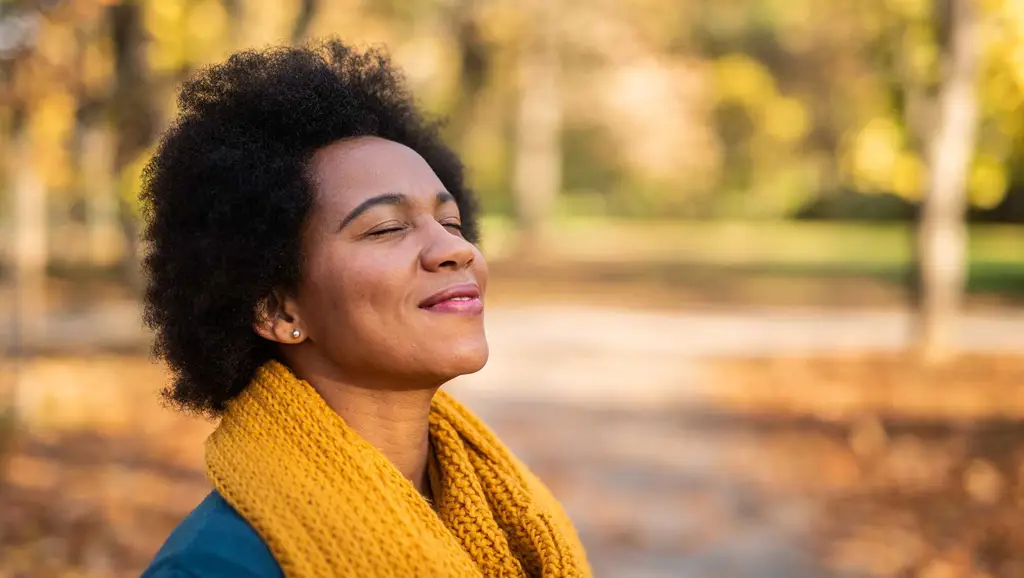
(747, 242)
(674, 253)
(679, 263)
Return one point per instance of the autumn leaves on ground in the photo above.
(802, 465)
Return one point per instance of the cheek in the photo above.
(356, 291)
(480, 269)
(377, 283)
(321, 296)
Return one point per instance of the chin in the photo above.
(463, 359)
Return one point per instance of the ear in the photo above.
(277, 319)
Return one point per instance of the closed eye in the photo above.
(387, 231)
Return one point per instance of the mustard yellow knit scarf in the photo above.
(327, 503)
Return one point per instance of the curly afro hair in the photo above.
(228, 191)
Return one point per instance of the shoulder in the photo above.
(213, 541)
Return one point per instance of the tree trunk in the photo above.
(233, 8)
(942, 231)
(307, 12)
(134, 117)
(537, 173)
(474, 64)
(29, 243)
(105, 248)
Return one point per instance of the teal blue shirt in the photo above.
(214, 541)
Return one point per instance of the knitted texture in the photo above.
(327, 503)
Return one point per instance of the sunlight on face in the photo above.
(391, 292)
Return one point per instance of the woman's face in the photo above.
(392, 294)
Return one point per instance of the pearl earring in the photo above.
(296, 333)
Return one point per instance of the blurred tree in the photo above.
(307, 12)
(735, 108)
(22, 75)
(537, 174)
(92, 144)
(30, 243)
(134, 116)
(475, 61)
(942, 234)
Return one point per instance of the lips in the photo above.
(465, 292)
(462, 300)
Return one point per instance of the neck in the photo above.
(396, 422)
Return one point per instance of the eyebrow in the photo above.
(388, 199)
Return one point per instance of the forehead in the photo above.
(351, 171)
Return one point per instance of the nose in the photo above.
(444, 250)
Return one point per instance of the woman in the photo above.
(313, 281)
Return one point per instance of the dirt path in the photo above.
(596, 356)
(515, 330)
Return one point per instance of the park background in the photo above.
(757, 269)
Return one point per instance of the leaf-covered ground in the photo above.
(103, 472)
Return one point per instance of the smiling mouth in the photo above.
(461, 299)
